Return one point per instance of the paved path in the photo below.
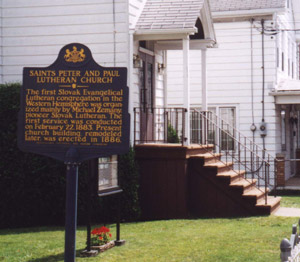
(287, 212)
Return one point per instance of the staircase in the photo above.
(221, 174)
(217, 190)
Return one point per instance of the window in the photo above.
(227, 118)
(226, 121)
(283, 49)
(108, 175)
(283, 134)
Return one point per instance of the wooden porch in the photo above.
(191, 181)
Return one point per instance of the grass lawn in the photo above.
(290, 201)
(200, 240)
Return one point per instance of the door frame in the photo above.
(146, 103)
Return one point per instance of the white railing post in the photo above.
(186, 88)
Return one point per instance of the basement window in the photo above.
(108, 175)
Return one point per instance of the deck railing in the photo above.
(159, 125)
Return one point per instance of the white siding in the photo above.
(1, 44)
(159, 81)
(33, 32)
(229, 77)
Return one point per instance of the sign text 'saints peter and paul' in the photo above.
(74, 103)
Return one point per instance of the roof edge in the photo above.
(285, 93)
(163, 31)
(243, 13)
(162, 34)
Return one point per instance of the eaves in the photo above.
(246, 13)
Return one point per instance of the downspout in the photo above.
(253, 127)
(130, 83)
(165, 58)
(114, 33)
(263, 124)
(277, 49)
(263, 69)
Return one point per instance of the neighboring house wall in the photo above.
(286, 43)
(1, 44)
(33, 32)
(230, 77)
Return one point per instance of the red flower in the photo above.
(95, 231)
(104, 230)
(109, 235)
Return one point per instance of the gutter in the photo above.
(284, 93)
(163, 34)
(245, 13)
(186, 31)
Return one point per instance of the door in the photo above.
(294, 139)
(147, 98)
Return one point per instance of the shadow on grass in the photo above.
(17, 231)
(55, 258)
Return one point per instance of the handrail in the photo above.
(242, 151)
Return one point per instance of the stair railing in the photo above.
(208, 128)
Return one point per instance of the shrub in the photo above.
(32, 187)
(172, 135)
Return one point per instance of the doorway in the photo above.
(147, 97)
(294, 124)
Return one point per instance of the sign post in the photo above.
(71, 205)
(74, 110)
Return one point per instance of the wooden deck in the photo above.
(190, 181)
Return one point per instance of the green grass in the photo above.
(290, 201)
(224, 240)
(251, 239)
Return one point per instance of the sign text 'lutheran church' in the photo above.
(74, 103)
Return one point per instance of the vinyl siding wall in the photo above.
(33, 32)
(229, 76)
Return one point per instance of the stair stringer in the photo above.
(212, 196)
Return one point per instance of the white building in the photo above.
(253, 75)
(176, 58)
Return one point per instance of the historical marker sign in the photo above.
(74, 103)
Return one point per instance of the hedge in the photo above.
(32, 187)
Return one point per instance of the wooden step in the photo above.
(272, 204)
(209, 157)
(256, 194)
(221, 167)
(231, 175)
(244, 184)
(195, 149)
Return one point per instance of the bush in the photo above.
(32, 187)
(172, 135)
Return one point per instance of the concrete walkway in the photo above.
(287, 212)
